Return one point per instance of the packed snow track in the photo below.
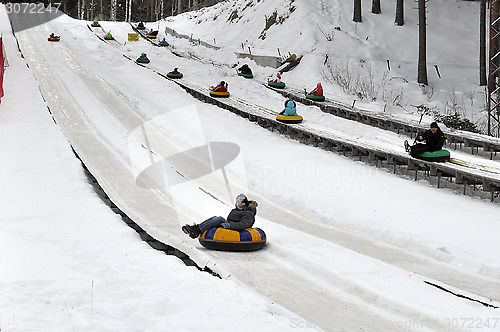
(327, 292)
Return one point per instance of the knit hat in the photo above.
(240, 198)
(434, 125)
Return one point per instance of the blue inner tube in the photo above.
(249, 239)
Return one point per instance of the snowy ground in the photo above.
(343, 237)
(358, 51)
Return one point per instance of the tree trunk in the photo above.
(482, 45)
(357, 11)
(376, 8)
(422, 44)
(112, 15)
(400, 18)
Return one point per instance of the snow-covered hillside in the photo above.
(376, 57)
(350, 246)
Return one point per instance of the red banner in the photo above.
(2, 67)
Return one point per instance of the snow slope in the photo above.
(347, 248)
(321, 30)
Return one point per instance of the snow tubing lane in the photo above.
(170, 75)
(249, 239)
(289, 119)
(279, 85)
(316, 98)
(245, 75)
(436, 156)
(219, 94)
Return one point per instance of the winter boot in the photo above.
(192, 230)
(407, 146)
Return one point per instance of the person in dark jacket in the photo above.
(434, 141)
(240, 218)
(245, 70)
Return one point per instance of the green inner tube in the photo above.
(163, 43)
(317, 98)
(438, 156)
(174, 75)
(245, 75)
(279, 85)
(143, 60)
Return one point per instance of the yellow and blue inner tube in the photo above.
(289, 119)
(220, 238)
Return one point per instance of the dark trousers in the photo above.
(418, 149)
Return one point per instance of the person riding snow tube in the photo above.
(432, 150)
(152, 34)
(316, 94)
(140, 26)
(54, 38)
(143, 58)
(163, 42)
(108, 36)
(276, 83)
(289, 114)
(219, 238)
(220, 90)
(245, 71)
(174, 74)
(95, 24)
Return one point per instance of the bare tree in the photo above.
(376, 8)
(400, 19)
(114, 7)
(357, 11)
(128, 10)
(422, 43)
(482, 44)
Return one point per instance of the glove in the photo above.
(253, 204)
(225, 224)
